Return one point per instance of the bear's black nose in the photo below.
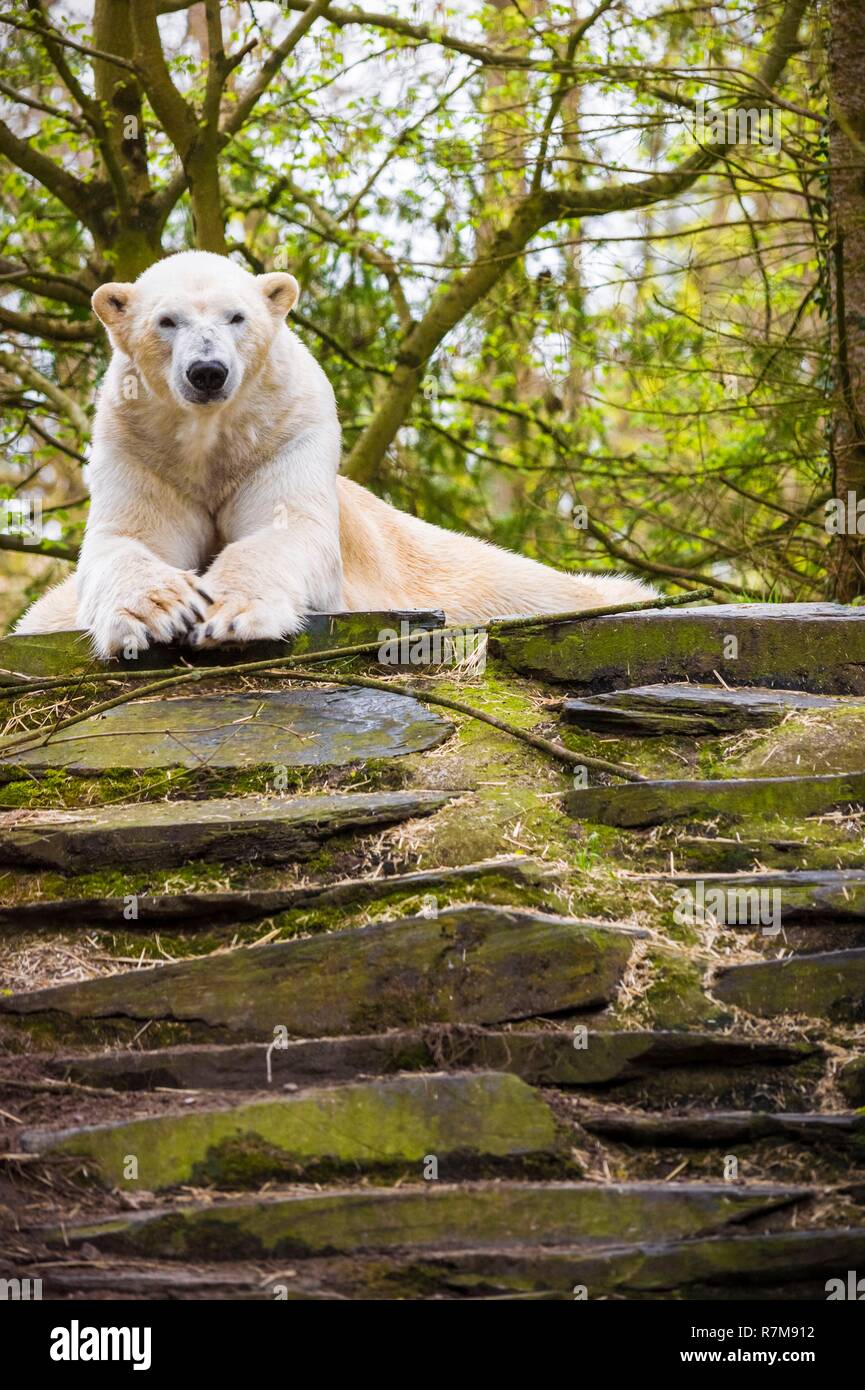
(208, 376)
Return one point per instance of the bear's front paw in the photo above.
(239, 618)
(164, 611)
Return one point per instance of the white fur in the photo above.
(225, 520)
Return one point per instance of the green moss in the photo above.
(814, 741)
(674, 997)
(479, 1119)
(432, 1218)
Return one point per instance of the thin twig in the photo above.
(8, 1083)
(675, 601)
(545, 745)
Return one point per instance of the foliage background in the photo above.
(552, 314)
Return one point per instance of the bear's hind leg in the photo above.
(55, 611)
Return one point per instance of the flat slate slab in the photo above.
(542, 1058)
(433, 1216)
(828, 984)
(313, 727)
(194, 909)
(805, 895)
(705, 1130)
(784, 1264)
(473, 964)
(162, 834)
(797, 646)
(793, 1264)
(690, 709)
(379, 1127)
(638, 804)
(68, 653)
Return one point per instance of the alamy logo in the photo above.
(77, 1343)
(845, 516)
(419, 648)
(20, 1290)
(21, 517)
(737, 125)
(852, 1288)
(728, 907)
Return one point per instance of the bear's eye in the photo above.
(236, 318)
(167, 321)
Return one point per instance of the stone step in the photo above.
(473, 964)
(432, 1216)
(301, 727)
(851, 1081)
(803, 895)
(708, 1129)
(466, 1123)
(150, 1281)
(551, 1058)
(68, 653)
(829, 984)
(785, 1264)
(198, 909)
(163, 834)
(634, 805)
(795, 1264)
(796, 646)
(691, 709)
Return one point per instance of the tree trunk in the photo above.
(847, 241)
(136, 241)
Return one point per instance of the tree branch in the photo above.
(535, 211)
(46, 326)
(51, 549)
(239, 114)
(82, 199)
(16, 365)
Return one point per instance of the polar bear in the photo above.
(217, 511)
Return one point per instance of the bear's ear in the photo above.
(111, 303)
(280, 292)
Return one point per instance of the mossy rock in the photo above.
(640, 804)
(785, 1264)
(795, 646)
(286, 728)
(472, 964)
(465, 1122)
(201, 908)
(168, 833)
(851, 1081)
(798, 896)
(829, 984)
(433, 1217)
(662, 710)
(578, 1057)
(711, 1129)
(674, 996)
(741, 1265)
(69, 654)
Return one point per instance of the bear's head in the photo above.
(196, 325)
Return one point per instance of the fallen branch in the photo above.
(582, 615)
